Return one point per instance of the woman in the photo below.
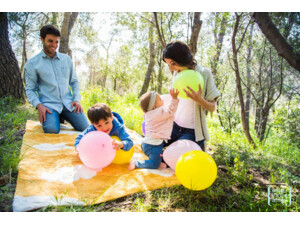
(190, 117)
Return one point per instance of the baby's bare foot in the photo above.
(163, 166)
(131, 166)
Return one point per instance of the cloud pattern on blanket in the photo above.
(68, 175)
(52, 147)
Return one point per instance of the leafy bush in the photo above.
(287, 122)
(13, 117)
(127, 106)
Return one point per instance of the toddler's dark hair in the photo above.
(99, 111)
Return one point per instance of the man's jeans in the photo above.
(77, 120)
(154, 153)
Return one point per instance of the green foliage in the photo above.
(13, 117)
(287, 122)
(127, 106)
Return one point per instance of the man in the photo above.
(52, 86)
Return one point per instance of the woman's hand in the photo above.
(197, 97)
(174, 93)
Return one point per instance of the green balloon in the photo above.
(189, 78)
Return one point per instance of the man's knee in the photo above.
(80, 123)
(51, 129)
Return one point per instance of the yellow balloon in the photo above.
(122, 156)
(196, 170)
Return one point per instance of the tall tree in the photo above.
(196, 24)
(248, 65)
(107, 46)
(277, 40)
(151, 59)
(67, 25)
(160, 31)
(235, 50)
(10, 75)
(219, 33)
(269, 87)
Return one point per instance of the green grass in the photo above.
(243, 172)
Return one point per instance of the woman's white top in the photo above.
(184, 115)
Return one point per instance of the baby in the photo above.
(158, 127)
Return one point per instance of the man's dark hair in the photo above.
(99, 111)
(49, 29)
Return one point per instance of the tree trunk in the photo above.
(196, 27)
(257, 118)
(160, 68)
(268, 99)
(238, 82)
(219, 37)
(151, 60)
(159, 79)
(277, 40)
(67, 25)
(24, 54)
(248, 60)
(115, 84)
(54, 19)
(160, 35)
(263, 123)
(11, 80)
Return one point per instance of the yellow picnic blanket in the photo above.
(50, 173)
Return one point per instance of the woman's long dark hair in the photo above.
(180, 54)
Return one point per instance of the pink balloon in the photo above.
(96, 150)
(172, 153)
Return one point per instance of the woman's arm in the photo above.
(197, 97)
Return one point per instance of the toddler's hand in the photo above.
(117, 145)
(174, 93)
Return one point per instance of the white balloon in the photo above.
(172, 153)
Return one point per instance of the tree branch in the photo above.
(163, 44)
(281, 82)
(243, 35)
(277, 40)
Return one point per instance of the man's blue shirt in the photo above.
(118, 130)
(48, 81)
